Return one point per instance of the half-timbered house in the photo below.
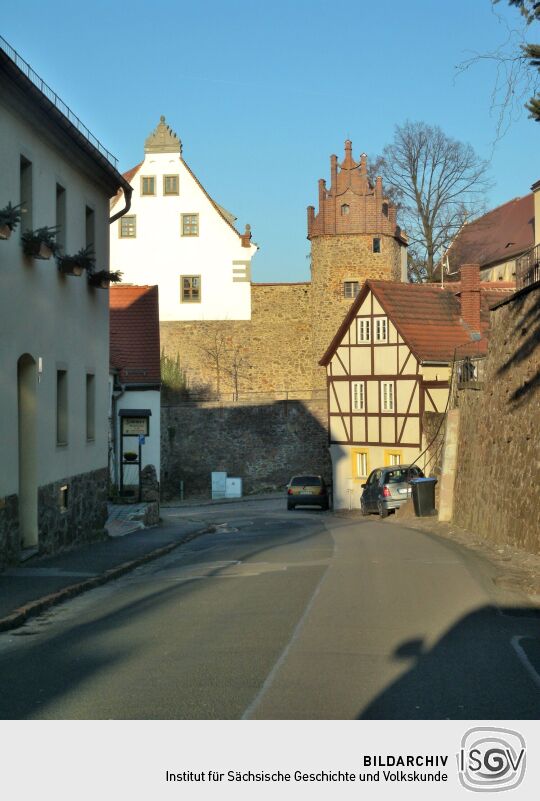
(390, 362)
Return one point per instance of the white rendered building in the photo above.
(54, 327)
(177, 237)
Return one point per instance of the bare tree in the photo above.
(516, 65)
(439, 183)
(215, 351)
(237, 368)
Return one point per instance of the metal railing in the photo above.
(467, 373)
(528, 268)
(55, 100)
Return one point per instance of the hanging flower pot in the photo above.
(68, 265)
(40, 244)
(103, 278)
(10, 217)
(130, 456)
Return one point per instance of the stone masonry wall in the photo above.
(335, 259)
(498, 477)
(9, 530)
(85, 516)
(275, 345)
(264, 444)
(82, 521)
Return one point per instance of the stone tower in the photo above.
(353, 237)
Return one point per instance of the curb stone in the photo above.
(36, 607)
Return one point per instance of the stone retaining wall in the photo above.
(497, 484)
(264, 444)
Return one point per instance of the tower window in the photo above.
(376, 245)
(345, 209)
(385, 209)
(351, 289)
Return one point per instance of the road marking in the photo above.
(524, 659)
(284, 654)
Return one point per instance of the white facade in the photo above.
(53, 328)
(151, 448)
(161, 246)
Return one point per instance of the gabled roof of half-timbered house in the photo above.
(428, 317)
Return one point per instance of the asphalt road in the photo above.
(282, 615)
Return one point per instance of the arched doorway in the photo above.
(27, 410)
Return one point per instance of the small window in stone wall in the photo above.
(345, 209)
(376, 244)
(385, 209)
(63, 498)
(351, 289)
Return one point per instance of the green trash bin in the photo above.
(423, 493)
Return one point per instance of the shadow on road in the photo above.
(480, 668)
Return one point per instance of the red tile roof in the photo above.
(427, 317)
(134, 333)
(500, 235)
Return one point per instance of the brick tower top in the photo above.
(352, 205)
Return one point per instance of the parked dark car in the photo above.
(388, 488)
(307, 491)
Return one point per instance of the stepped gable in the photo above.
(352, 204)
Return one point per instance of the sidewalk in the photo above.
(30, 588)
(205, 501)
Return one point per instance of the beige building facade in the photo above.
(53, 326)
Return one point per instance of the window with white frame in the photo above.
(387, 396)
(358, 396)
(360, 464)
(381, 329)
(363, 329)
(394, 458)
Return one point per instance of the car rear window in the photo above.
(402, 474)
(306, 481)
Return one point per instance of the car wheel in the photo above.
(363, 509)
(383, 511)
(290, 506)
(325, 507)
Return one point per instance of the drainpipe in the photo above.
(115, 398)
(128, 191)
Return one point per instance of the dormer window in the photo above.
(345, 209)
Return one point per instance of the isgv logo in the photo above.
(491, 759)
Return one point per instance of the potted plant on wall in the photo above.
(41, 243)
(104, 278)
(74, 265)
(10, 217)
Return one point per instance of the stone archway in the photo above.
(27, 413)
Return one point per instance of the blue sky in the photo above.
(262, 93)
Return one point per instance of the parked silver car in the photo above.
(387, 488)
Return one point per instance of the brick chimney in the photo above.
(246, 236)
(470, 295)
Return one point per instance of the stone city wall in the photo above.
(497, 483)
(264, 444)
(272, 350)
